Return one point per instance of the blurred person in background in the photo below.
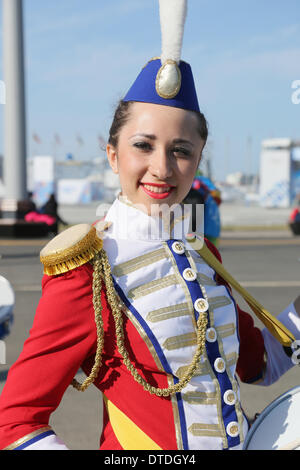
(48, 214)
(209, 196)
(294, 218)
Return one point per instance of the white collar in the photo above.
(129, 221)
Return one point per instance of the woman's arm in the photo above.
(63, 335)
(262, 359)
(277, 361)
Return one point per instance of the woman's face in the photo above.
(158, 152)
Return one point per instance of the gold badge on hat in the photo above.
(172, 19)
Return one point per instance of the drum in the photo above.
(7, 302)
(278, 426)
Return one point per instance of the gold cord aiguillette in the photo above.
(102, 271)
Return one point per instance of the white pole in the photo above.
(14, 109)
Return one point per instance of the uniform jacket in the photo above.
(159, 298)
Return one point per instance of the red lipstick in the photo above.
(155, 195)
(159, 185)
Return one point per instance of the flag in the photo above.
(57, 139)
(36, 138)
(79, 140)
(102, 142)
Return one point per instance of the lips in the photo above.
(156, 190)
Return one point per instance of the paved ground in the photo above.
(268, 266)
(232, 214)
(243, 215)
(270, 270)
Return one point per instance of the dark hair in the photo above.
(122, 115)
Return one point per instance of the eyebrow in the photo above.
(183, 141)
(153, 137)
(148, 136)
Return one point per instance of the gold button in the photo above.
(219, 365)
(178, 248)
(201, 305)
(232, 429)
(229, 397)
(189, 274)
(211, 335)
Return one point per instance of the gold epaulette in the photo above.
(70, 249)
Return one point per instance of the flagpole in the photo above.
(14, 109)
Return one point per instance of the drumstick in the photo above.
(291, 445)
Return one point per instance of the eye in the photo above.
(143, 145)
(182, 151)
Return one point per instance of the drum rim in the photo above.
(9, 289)
(266, 411)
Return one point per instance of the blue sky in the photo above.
(81, 56)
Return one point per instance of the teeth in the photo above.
(155, 189)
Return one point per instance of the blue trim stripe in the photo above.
(34, 439)
(145, 326)
(228, 411)
(182, 419)
(212, 349)
(231, 439)
(161, 356)
(182, 264)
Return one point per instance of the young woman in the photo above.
(157, 282)
(154, 328)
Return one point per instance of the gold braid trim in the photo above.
(102, 270)
(73, 257)
(99, 324)
(27, 438)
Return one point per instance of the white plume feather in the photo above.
(172, 20)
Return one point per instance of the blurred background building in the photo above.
(81, 181)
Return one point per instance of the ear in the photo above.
(111, 153)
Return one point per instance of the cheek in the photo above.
(131, 167)
(187, 169)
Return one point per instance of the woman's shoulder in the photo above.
(67, 284)
(70, 249)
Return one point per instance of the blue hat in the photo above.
(167, 80)
(180, 93)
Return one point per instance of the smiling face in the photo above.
(157, 154)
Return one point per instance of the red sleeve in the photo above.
(213, 249)
(250, 363)
(251, 353)
(62, 337)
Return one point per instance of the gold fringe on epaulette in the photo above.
(73, 257)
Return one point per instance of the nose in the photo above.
(160, 165)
